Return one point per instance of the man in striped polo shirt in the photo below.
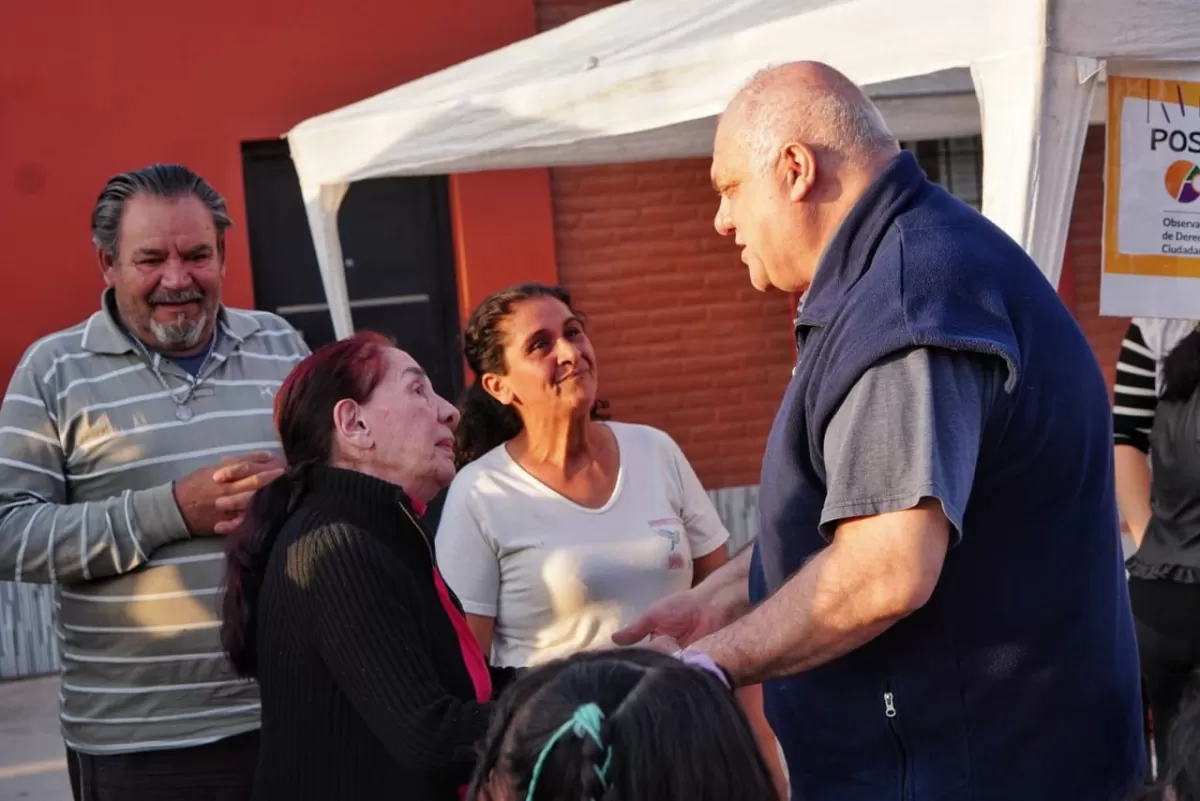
(128, 444)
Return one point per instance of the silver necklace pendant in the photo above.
(183, 413)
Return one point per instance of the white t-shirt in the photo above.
(559, 577)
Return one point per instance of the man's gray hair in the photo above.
(846, 123)
(167, 181)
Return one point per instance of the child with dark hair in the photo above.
(632, 724)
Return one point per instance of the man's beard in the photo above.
(181, 335)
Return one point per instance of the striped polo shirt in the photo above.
(92, 435)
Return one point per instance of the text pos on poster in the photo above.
(1152, 197)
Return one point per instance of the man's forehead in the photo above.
(143, 205)
(726, 157)
(734, 117)
(166, 215)
(170, 244)
(149, 240)
(716, 173)
(162, 224)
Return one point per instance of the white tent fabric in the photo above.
(1036, 113)
(645, 79)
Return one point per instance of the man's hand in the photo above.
(243, 476)
(663, 644)
(878, 570)
(683, 618)
(213, 499)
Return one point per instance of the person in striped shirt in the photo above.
(1138, 382)
(1149, 406)
(129, 444)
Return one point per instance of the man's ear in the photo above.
(350, 424)
(799, 164)
(496, 386)
(106, 266)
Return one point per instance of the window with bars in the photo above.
(956, 164)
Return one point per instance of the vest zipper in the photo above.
(889, 712)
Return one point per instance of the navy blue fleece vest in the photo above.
(1019, 679)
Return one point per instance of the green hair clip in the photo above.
(585, 722)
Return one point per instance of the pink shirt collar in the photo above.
(417, 506)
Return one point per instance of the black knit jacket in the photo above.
(365, 694)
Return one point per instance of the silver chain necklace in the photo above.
(183, 412)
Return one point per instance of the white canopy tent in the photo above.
(645, 80)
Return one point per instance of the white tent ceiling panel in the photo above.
(1158, 30)
(1030, 169)
(645, 79)
(639, 66)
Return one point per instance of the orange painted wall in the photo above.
(499, 246)
(91, 89)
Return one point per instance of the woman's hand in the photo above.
(1132, 471)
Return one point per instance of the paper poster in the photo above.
(1152, 198)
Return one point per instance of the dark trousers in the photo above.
(1167, 617)
(220, 771)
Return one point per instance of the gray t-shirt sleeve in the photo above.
(910, 428)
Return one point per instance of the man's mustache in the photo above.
(178, 296)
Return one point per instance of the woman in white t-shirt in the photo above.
(562, 528)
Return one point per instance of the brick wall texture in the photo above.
(684, 343)
(1083, 258)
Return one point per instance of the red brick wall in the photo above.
(1083, 258)
(684, 343)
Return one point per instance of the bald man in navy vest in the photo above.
(936, 603)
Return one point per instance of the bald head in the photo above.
(810, 103)
(794, 151)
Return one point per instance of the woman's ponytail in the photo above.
(485, 424)
(247, 553)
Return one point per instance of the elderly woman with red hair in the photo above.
(372, 685)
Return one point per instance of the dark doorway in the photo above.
(398, 251)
